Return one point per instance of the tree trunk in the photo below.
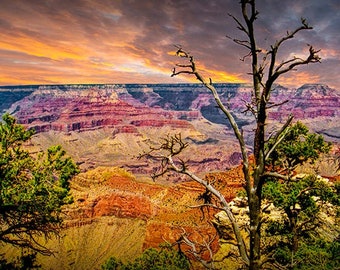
(255, 236)
(295, 240)
(292, 215)
(254, 194)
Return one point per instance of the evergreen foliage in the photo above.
(297, 147)
(24, 262)
(165, 258)
(302, 227)
(33, 189)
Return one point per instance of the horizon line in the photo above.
(176, 83)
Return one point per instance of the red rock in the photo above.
(67, 112)
(123, 206)
(164, 208)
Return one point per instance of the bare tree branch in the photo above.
(279, 136)
(169, 149)
(277, 104)
(224, 109)
(276, 175)
(197, 249)
(256, 173)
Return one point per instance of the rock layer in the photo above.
(113, 124)
(86, 107)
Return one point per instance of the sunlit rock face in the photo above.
(106, 196)
(111, 124)
(114, 213)
(92, 108)
(309, 102)
(84, 107)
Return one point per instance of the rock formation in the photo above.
(119, 212)
(111, 124)
(116, 214)
(85, 107)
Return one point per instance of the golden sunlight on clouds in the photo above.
(298, 79)
(36, 48)
(217, 76)
(109, 41)
(221, 76)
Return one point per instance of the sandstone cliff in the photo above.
(112, 124)
(116, 214)
(119, 213)
(84, 107)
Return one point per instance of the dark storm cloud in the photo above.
(130, 41)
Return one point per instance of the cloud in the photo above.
(59, 41)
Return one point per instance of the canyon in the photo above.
(111, 124)
(118, 210)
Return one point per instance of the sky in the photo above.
(132, 41)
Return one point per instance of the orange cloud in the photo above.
(222, 76)
(36, 48)
(117, 41)
(329, 53)
(298, 78)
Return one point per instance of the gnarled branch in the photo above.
(168, 152)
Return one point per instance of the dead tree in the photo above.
(167, 155)
(265, 70)
(197, 249)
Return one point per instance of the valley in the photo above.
(118, 210)
(111, 125)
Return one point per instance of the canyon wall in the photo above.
(85, 107)
(112, 124)
(118, 210)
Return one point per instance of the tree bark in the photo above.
(254, 174)
(254, 212)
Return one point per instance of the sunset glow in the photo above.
(55, 42)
